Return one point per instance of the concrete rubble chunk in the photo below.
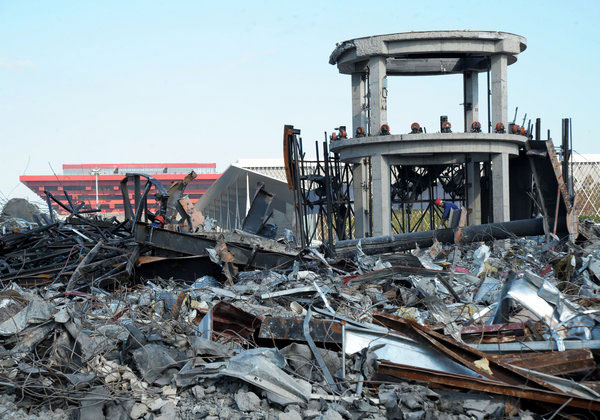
(290, 415)
(37, 311)
(92, 406)
(138, 410)
(310, 414)
(331, 414)
(247, 401)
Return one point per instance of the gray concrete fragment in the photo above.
(138, 410)
(115, 411)
(92, 405)
(247, 401)
(290, 415)
(310, 414)
(414, 415)
(198, 392)
(167, 412)
(331, 414)
(481, 409)
(388, 398)
(37, 311)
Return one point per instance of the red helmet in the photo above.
(159, 219)
(438, 202)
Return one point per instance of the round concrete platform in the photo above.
(419, 146)
(428, 53)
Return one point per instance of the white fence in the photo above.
(586, 183)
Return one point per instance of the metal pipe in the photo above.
(406, 241)
(328, 197)
(489, 94)
(571, 185)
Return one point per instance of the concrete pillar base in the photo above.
(474, 193)
(500, 188)
(361, 200)
(382, 203)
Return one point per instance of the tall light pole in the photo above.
(96, 172)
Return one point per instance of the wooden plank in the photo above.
(558, 172)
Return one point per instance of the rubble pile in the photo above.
(107, 319)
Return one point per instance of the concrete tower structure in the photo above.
(373, 149)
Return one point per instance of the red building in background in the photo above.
(80, 182)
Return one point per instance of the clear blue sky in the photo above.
(175, 81)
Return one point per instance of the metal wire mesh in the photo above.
(586, 184)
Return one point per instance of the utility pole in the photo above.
(96, 172)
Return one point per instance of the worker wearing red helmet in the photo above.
(158, 221)
(448, 207)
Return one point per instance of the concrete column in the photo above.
(361, 200)
(377, 94)
(500, 188)
(474, 193)
(382, 203)
(359, 112)
(471, 98)
(499, 93)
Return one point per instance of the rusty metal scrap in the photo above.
(226, 319)
(324, 332)
(497, 333)
(462, 353)
(247, 250)
(436, 378)
(553, 363)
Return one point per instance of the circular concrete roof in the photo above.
(428, 53)
(438, 144)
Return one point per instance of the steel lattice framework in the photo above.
(322, 191)
(415, 189)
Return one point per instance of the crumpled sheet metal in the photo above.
(441, 314)
(153, 359)
(261, 367)
(402, 350)
(204, 347)
(526, 293)
(489, 288)
(544, 300)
